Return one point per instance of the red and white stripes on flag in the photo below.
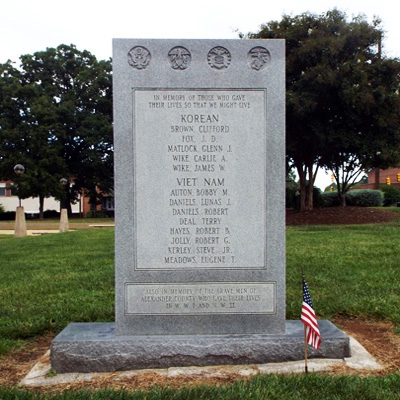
(308, 318)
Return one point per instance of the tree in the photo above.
(372, 137)
(60, 122)
(24, 140)
(342, 96)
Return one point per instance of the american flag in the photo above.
(309, 319)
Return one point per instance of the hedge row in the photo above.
(357, 198)
(10, 215)
(391, 195)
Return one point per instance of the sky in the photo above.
(27, 26)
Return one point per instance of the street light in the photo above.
(20, 222)
(64, 225)
(63, 182)
(19, 169)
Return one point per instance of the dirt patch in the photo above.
(379, 339)
(15, 365)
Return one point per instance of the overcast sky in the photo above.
(27, 26)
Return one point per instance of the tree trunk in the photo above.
(302, 180)
(41, 207)
(343, 198)
(306, 191)
(310, 193)
(341, 192)
(69, 208)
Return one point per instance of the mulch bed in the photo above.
(378, 338)
(340, 216)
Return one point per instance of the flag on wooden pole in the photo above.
(313, 337)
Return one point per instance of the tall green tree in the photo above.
(371, 138)
(24, 137)
(342, 96)
(57, 120)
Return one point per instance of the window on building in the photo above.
(108, 203)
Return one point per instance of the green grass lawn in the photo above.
(49, 281)
(351, 270)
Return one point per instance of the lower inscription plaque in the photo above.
(202, 298)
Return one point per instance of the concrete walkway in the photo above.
(40, 374)
(30, 232)
(34, 232)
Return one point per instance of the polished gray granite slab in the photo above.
(94, 347)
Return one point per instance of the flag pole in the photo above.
(305, 350)
(312, 334)
(305, 338)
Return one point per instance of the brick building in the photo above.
(9, 201)
(379, 177)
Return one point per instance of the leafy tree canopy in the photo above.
(56, 120)
(342, 99)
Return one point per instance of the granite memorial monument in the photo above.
(200, 212)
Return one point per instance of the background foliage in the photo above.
(56, 120)
(342, 97)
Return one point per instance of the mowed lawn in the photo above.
(51, 280)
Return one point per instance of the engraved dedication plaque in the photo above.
(199, 186)
(200, 215)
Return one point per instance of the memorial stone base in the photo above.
(94, 347)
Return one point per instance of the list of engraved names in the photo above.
(199, 196)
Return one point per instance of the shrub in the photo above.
(293, 196)
(51, 214)
(364, 198)
(96, 214)
(331, 199)
(7, 216)
(391, 195)
(318, 200)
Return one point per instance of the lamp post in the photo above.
(20, 222)
(64, 225)
(19, 169)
